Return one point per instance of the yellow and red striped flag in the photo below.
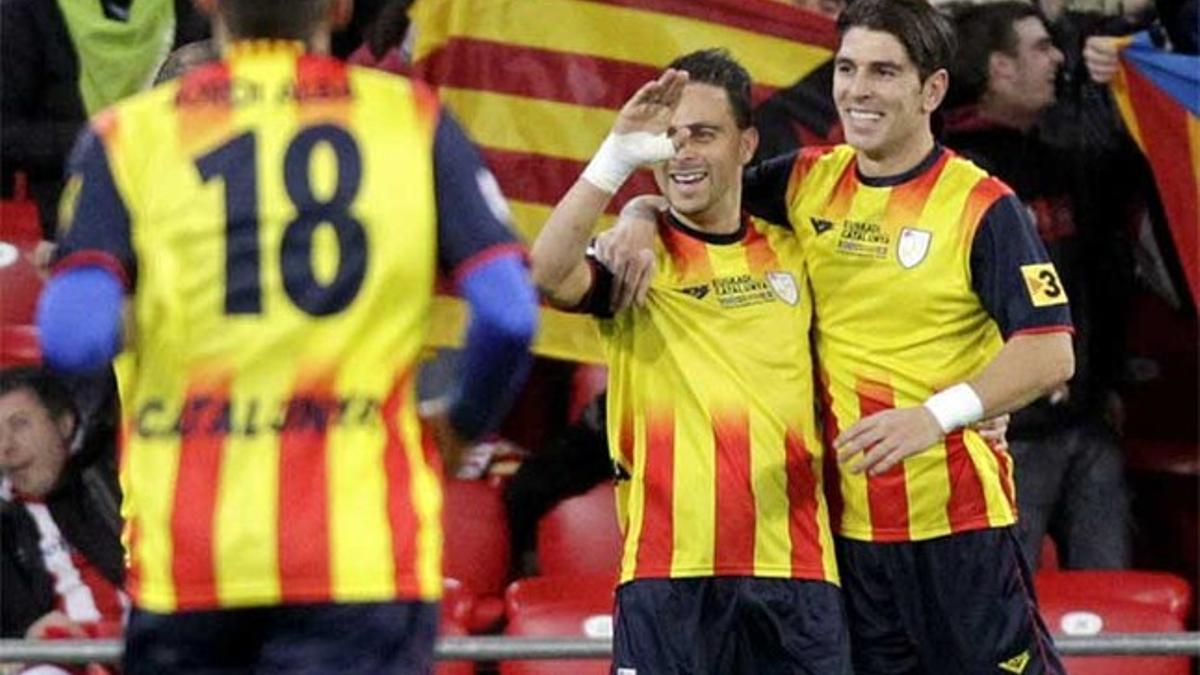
(537, 83)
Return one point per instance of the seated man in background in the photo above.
(61, 562)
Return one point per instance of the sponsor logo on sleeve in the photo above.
(1044, 286)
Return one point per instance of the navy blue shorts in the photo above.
(721, 625)
(956, 605)
(385, 637)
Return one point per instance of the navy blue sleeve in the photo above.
(598, 300)
(496, 359)
(472, 214)
(764, 189)
(95, 230)
(1012, 274)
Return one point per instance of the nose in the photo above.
(1056, 56)
(858, 87)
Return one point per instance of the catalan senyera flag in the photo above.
(1158, 93)
(537, 84)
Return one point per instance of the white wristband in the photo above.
(621, 154)
(955, 407)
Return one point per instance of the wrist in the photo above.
(955, 407)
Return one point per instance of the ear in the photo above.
(66, 426)
(748, 144)
(1000, 68)
(340, 12)
(933, 92)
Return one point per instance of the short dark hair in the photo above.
(982, 31)
(925, 33)
(275, 19)
(718, 68)
(48, 389)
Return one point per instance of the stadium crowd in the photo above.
(771, 514)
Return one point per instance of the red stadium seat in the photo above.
(570, 606)
(1155, 590)
(20, 282)
(1049, 555)
(19, 346)
(477, 548)
(588, 382)
(19, 222)
(580, 535)
(1099, 615)
(450, 627)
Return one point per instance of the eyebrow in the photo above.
(874, 64)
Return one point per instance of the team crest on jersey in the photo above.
(784, 285)
(913, 246)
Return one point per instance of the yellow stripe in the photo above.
(693, 492)
(245, 522)
(150, 493)
(609, 32)
(528, 218)
(927, 485)
(427, 503)
(1193, 134)
(632, 493)
(360, 544)
(988, 467)
(523, 124)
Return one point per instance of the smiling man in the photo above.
(728, 563)
(935, 306)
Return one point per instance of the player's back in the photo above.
(283, 224)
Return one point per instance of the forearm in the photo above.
(1027, 368)
(558, 255)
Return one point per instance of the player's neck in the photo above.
(897, 160)
(317, 43)
(723, 217)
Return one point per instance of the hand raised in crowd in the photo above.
(1100, 56)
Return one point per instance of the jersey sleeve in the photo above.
(1012, 274)
(95, 227)
(472, 214)
(765, 186)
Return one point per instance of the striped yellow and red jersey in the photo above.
(275, 220)
(917, 280)
(710, 412)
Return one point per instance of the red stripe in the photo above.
(760, 257)
(776, 19)
(843, 193)
(830, 430)
(193, 568)
(402, 514)
(803, 528)
(104, 593)
(689, 253)
(657, 538)
(735, 509)
(208, 83)
(317, 73)
(985, 193)
(967, 502)
(1163, 122)
(1044, 330)
(487, 255)
(887, 493)
(545, 74)
(539, 179)
(304, 574)
(94, 258)
(805, 160)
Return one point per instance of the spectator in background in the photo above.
(63, 60)
(61, 562)
(1069, 464)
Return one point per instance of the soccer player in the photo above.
(936, 305)
(728, 563)
(275, 221)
